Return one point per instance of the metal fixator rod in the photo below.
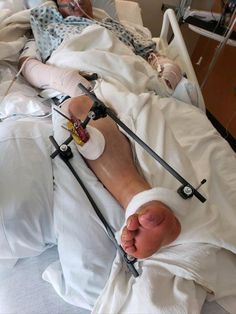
(100, 110)
(65, 152)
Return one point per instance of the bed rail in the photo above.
(177, 50)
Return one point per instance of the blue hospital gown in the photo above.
(50, 28)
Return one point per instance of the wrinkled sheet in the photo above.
(182, 136)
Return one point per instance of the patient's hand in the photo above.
(168, 70)
(153, 226)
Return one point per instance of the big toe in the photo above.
(151, 217)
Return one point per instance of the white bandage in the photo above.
(168, 71)
(170, 198)
(30, 50)
(95, 145)
(46, 76)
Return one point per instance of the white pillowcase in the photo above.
(186, 91)
(107, 5)
(34, 3)
(12, 5)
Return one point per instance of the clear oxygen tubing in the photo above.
(15, 78)
(26, 115)
(20, 115)
(77, 2)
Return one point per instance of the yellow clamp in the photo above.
(75, 136)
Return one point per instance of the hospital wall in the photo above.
(220, 89)
(152, 14)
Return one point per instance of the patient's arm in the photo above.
(46, 76)
(154, 224)
(168, 70)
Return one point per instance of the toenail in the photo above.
(129, 222)
(130, 250)
(148, 217)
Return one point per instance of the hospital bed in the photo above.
(22, 289)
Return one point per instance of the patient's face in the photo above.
(71, 8)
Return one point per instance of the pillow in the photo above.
(107, 5)
(33, 3)
(186, 91)
(12, 5)
(85, 251)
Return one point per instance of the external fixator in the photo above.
(65, 153)
(100, 110)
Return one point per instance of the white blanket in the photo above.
(183, 136)
(13, 27)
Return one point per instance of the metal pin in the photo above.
(62, 114)
(201, 183)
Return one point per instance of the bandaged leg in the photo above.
(46, 76)
(154, 225)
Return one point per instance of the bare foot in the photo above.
(152, 227)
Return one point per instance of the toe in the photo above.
(128, 245)
(130, 250)
(127, 235)
(133, 222)
(151, 218)
(128, 240)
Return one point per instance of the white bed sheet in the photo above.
(23, 291)
(37, 263)
(38, 305)
(22, 99)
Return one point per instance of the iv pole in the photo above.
(220, 48)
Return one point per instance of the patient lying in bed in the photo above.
(66, 81)
(50, 208)
(70, 19)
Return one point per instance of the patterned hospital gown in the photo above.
(50, 28)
